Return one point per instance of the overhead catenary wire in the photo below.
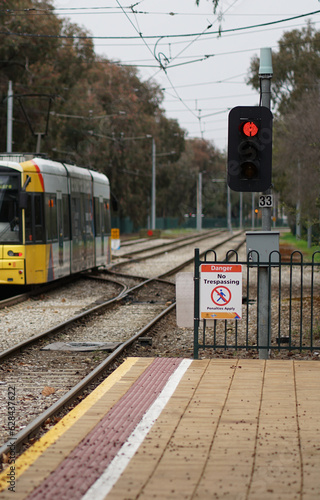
(129, 8)
(163, 67)
(134, 27)
(169, 64)
(193, 41)
(177, 42)
(168, 36)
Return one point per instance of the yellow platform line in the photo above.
(30, 456)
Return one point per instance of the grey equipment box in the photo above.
(263, 242)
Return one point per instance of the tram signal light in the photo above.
(250, 148)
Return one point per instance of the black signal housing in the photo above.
(250, 148)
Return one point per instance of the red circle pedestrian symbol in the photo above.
(221, 295)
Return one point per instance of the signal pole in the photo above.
(153, 187)
(9, 118)
(265, 75)
(199, 202)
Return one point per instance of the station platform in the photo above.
(171, 428)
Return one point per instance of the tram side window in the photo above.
(75, 217)
(83, 216)
(66, 216)
(28, 219)
(91, 220)
(51, 217)
(103, 218)
(97, 218)
(107, 218)
(87, 204)
(34, 219)
(38, 218)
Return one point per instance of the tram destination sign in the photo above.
(220, 291)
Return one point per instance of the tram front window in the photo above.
(9, 209)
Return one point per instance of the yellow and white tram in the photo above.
(54, 220)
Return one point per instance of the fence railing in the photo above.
(126, 225)
(293, 306)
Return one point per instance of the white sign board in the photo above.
(265, 200)
(220, 291)
(185, 300)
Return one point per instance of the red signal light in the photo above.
(250, 129)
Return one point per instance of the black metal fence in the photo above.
(293, 306)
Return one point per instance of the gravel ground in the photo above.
(22, 321)
(168, 340)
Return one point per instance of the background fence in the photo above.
(126, 225)
(293, 307)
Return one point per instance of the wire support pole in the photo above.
(265, 75)
(153, 187)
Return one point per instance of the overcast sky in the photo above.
(203, 74)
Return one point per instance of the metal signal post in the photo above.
(264, 327)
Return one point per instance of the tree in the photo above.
(215, 4)
(295, 95)
(296, 67)
(177, 183)
(297, 159)
(42, 65)
(18, 51)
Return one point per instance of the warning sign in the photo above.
(220, 291)
(115, 239)
(115, 233)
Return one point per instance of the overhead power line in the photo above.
(182, 35)
(117, 10)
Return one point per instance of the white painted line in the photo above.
(110, 476)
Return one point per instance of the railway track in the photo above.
(64, 307)
(20, 322)
(158, 263)
(153, 248)
(63, 380)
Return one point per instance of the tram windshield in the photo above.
(9, 209)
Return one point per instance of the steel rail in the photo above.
(38, 290)
(181, 266)
(156, 254)
(16, 299)
(185, 239)
(55, 329)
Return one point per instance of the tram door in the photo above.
(60, 227)
(102, 229)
